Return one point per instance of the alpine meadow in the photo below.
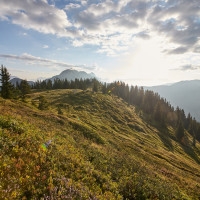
(99, 99)
(100, 142)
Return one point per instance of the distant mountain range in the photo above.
(68, 74)
(15, 80)
(71, 74)
(185, 94)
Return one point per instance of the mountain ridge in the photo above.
(16, 80)
(71, 74)
(184, 94)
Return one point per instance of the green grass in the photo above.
(101, 149)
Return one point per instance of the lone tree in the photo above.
(6, 87)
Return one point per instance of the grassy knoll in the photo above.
(99, 148)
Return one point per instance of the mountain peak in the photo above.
(68, 70)
(14, 81)
(72, 74)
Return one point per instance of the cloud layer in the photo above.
(37, 15)
(188, 67)
(45, 62)
(110, 24)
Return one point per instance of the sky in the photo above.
(141, 42)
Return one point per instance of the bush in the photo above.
(43, 104)
(11, 125)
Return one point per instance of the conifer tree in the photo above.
(6, 87)
(104, 88)
(95, 86)
(140, 96)
(49, 84)
(43, 104)
(24, 88)
(180, 131)
(193, 130)
(198, 133)
(132, 95)
(188, 121)
(194, 140)
(157, 113)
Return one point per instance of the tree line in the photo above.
(66, 84)
(155, 108)
(9, 91)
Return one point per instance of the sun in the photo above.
(147, 61)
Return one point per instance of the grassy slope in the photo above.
(101, 149)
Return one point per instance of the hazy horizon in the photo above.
(130, 82)
(146, 42)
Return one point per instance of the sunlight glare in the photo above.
(146, 61)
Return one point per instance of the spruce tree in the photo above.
(198, 133)
(180, 131)
(194, 140)
(104, 88)
(24, 88)
(193, 130)
(49, 85)
(157, 112)
(43, 104)
(95, 86)
(6, 87)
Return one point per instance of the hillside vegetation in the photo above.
(89, 145)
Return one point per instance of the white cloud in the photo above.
(37, 15)
(188, 67)
(33, 60)
(178, 21)
(101, 8)
(110, 24)
(45, 46)
(72, 6)
(77, 43)
(83, 2)
(40, 61)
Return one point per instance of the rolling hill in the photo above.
(97, 147)
(185, 94)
